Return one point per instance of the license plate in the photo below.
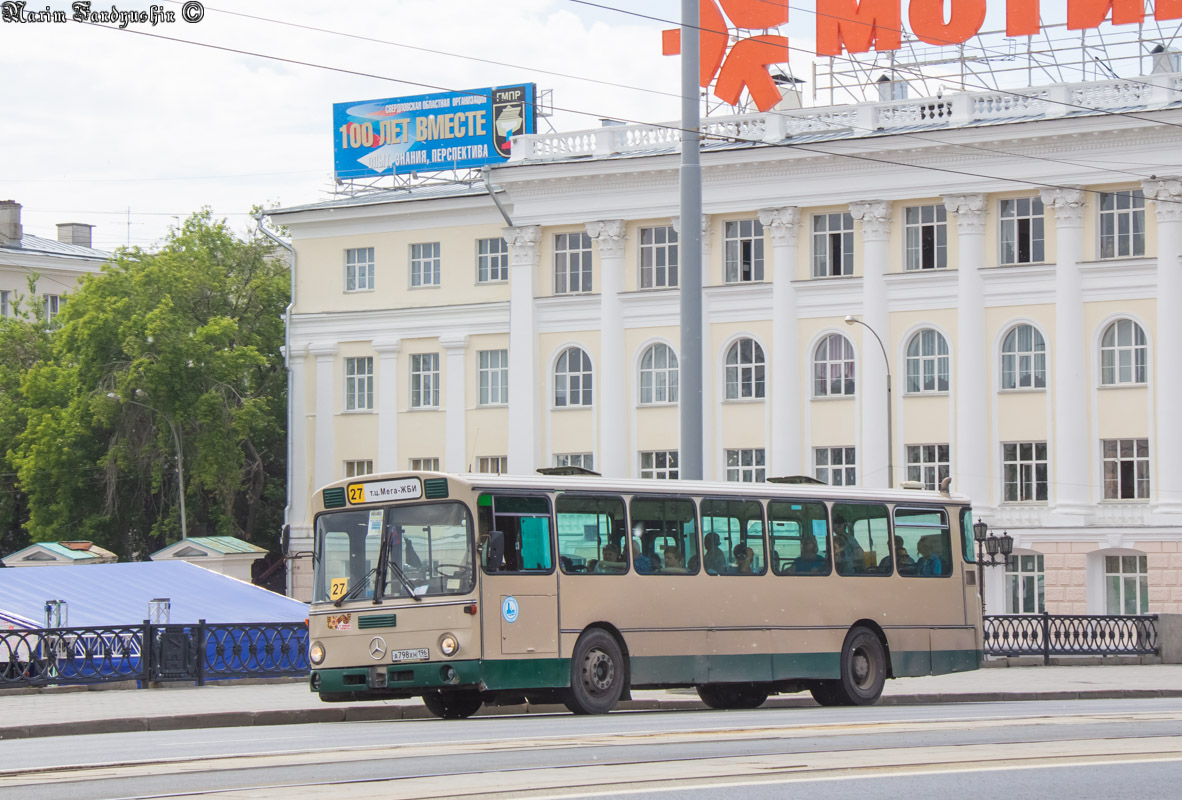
(421, 654)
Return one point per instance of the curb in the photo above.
(385, 713)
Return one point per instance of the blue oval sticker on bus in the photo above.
(509, 609)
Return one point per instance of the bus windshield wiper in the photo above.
(357, 587)
(406, 584)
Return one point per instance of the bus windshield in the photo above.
(431, 545)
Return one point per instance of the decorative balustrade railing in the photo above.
(1049, 635)
(205, 651)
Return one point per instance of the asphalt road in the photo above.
(1071, 750)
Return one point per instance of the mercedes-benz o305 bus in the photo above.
(474, 589)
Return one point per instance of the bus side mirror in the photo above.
(494, 551)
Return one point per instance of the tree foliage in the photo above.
(188, 336)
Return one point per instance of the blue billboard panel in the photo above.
(429, 132)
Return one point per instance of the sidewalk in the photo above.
(72, 710)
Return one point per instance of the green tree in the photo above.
(189, 336)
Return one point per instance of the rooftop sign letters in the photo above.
(430, 132)
(858, 26)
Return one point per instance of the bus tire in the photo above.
(597, 674)
(863, 668)
(826, 693)
(732, 696)
(453, 705)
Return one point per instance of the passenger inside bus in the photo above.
(809, 562)
(674, 560)
(714, 558)
(643, 563)
(930, 561)
(744, 556)
(848, 554)
(903, 559)
(612, 561)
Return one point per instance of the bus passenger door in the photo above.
(519, 591)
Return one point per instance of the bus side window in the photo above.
(732, 537)
(926, 536)
(861, 539)
(591, 535)
(524, 524)
(800, 538)
(667, 529)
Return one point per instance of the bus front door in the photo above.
(519, 588)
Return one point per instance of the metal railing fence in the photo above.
(1049, 635)
(104, 654)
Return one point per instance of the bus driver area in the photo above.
(479, 589)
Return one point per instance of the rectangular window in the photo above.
(1025, 585)
(659, 464)
(359, 269)
(732, 537)
(743, 244)
(1126, 469)
(833, 245)
(424, 380)
(658, 257)
(836, 466)
(54, 303)
(355, 469)
(524, 525)
(358, 384)
(492, 260)
(664, 536)
(592, 535)
(492, 465)
(584, 460)
(1126, 584)
(927, 463)
(424, 464)
(800, 538)
(572, 263)
(1122, 224)
(494, 377)
(923, 543)
(746, 465)
(424, 264)
(925, 233)
(1022, 237)
(4, 313)
(1024, 471)
(861, 539)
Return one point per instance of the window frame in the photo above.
(1142, 485)
(425, 464)
(757, 467)
(915, 252)
(352, 390)
(694, 538)
(760, 556)
(750, 375)
(426, 265)
(651, 373)
(669, 472)
(1018, 463)
(1015, 357)
(1138, 354)
(847, 367)
(549, 517)
(940, 363)
(942, 466)
(742, 251)
(1135, 214)
(482, 462)
(1139, 575)
(585, 460)
(350, 467)
(845, 450)
(586, 376)
(497, 378)
(1035, 234)
(489, 262)
(357, 264)
(582, 257)
(1016, 586)
(776, 561)
(656, 251)
(417, 376)
(830, 244)
(915, 570)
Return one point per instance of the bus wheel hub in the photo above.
(599, 671)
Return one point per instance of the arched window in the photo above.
(1023, 359)
(658, 374)
(927, 362)
(572, 378)
(744, 370)
(1124, 356)
(833, 367)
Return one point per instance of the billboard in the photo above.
(429, 132)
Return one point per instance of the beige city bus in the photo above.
(474, 589)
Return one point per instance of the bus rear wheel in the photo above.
(596, 674)
(453, 705)
(863, 670)
(729, 696)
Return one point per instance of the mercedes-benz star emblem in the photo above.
(377, 647)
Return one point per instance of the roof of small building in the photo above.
(229, 545)
(73, 551)
(118, 594)
(43, 246)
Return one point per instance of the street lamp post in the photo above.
(991, 545)
(851, 320)
(176, 440)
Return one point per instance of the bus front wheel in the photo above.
(863, 670)
(453, 705)
(596, 674)
(733, 696)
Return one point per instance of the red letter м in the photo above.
(857, 25)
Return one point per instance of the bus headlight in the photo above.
(316, 653)
(448, 645)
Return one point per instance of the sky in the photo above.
(132, 130)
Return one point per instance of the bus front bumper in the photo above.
(394, 680)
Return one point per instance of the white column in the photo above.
(388, 403)
(1072, 452)
(297, 432)
(784, 383)
(970, 365)
(523, 418)
(611, 384)
(1167, 345)
(873, 391)
(456, 438)
(327, 392)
